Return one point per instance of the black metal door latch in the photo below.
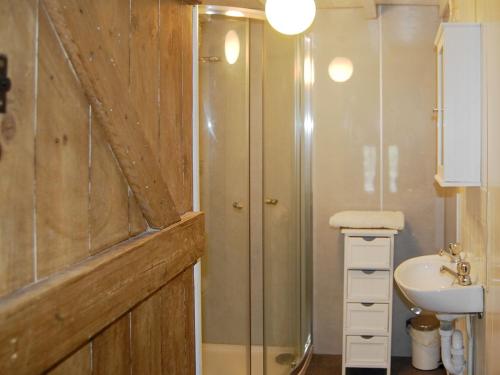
(5, 83)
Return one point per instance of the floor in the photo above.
(332, 365)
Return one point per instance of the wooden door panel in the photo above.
(84, 147)
(78, 363)
(62, 173)
(17, 41)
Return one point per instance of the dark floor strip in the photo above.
(332, 365)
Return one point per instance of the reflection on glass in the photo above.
(393, 168)
(370, 167)
(234, 13)
(232, 47)
(308, 71)
(340, 69)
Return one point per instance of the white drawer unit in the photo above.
(367, 351)
(368, 285)
(367, 318)
(368, 252)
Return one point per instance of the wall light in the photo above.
(340, 69)
(290, 17)
(232, 47)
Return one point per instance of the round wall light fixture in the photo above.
(340, 69)
(290, 17)
(232, 47)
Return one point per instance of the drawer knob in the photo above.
(366, 337)
(367, 304)
(368, 272)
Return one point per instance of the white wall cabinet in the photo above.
(458, 47)
(368, 287)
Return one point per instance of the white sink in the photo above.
(422, 282)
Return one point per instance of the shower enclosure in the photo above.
(255, 188)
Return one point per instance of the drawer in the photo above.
(368, 252)
(368, 286)
(367, 351)
(371, 318)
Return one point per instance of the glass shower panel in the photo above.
(306, 81)
(281, 171)
(224, 179)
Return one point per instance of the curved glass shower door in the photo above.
(224, 183)
(253, 155)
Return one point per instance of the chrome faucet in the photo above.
(462, 274)
(453, 251)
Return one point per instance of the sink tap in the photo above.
(462, 274)
(453, 251)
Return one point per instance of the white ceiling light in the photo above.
(232, 47)
(340, 69)
(290, 17)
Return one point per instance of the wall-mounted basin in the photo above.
(422, 282)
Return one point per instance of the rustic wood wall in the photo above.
(78, 178)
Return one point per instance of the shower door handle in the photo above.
(271, 201)
(237, 205)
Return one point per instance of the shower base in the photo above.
(221, 359)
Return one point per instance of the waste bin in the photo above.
(425, 344)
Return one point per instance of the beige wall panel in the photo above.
(463, 10)
(111, 349)
(78, 363)
(17, 40)
(62, 172)
(108, 195)
(488, 12)
(346, 149)
(409, 141)
(175, 116)
(144, 69)
(480, 224)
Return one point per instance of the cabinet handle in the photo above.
(367, 304)
(367, 337)
(368, 272)
(369, 239)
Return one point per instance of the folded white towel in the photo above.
(368, 220)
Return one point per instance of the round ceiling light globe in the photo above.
(290, 17)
